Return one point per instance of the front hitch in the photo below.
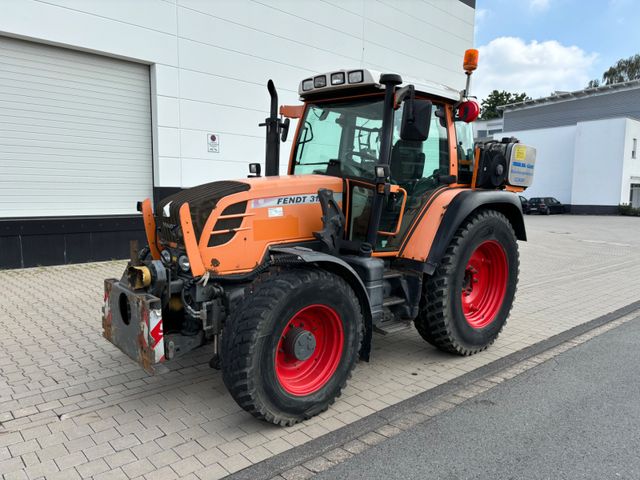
(133, 323)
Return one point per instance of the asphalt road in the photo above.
(576, 416)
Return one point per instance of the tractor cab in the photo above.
(403, 149)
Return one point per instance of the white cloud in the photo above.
(539, 5)
(537, 68)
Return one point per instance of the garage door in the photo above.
(75, 132)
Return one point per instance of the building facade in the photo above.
(107, 103)
(587, 145)
(487, 128)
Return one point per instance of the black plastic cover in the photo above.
(201, 199)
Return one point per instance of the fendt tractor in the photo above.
(389, 214)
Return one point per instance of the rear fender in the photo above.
(339, 267)
(463, 206)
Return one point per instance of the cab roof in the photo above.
(362, 80)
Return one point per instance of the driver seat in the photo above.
(407, 163)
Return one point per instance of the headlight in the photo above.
(307, 85)
(356, 76)
(166, 257)
(337, 78)
(183, 263)
(320, 81)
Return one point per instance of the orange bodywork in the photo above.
(418, 244)
(150, 228)
(279, 210)
(191, 242)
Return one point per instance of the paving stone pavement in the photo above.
(73, 406)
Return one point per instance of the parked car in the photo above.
(525, 204)
(545, 205)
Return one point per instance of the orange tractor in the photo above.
(388, 214)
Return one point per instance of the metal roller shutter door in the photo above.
(75, 132)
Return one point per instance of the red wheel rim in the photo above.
(304, 377)
(484, 284)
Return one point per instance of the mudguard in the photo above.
(370, 311)
(464, 205)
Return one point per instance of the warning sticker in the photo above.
(520, 152)
(275, 212)
(301, 199)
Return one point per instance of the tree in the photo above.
(623, 70)
(489, 106)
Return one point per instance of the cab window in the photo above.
(340, 138)
(465, 151)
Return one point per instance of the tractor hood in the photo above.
(234, 222)
(201, 199)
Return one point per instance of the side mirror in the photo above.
(284, 129)
(416, 120)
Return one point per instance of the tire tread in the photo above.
(432, 322)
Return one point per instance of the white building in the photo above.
(104, 103)
(587, 145)
(487, 128)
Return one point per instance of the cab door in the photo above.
(415, 169)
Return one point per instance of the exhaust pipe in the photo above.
(276, 132)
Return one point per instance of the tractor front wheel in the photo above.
(291, 344)
(466, 302)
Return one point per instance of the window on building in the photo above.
(635, 148)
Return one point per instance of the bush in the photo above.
(626, 209)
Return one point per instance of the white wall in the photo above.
(597, 169)
(211, 59)
(631, 166)
(554, 161)
(586, 164)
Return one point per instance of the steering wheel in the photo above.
(359, 169)
(362, 155)
(353, 169)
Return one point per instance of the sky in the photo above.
(541, 46)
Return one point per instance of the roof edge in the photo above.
(575, 95)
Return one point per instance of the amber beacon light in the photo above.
(470, 60)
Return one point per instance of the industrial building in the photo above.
(587, 145)
(106, 103)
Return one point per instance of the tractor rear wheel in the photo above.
(291, 344)
(466, 302)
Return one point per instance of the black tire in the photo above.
(250, 340)
(441, 320)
